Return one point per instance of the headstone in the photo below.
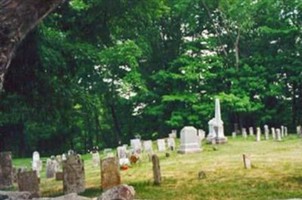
(108, 152)
(247, 161)
(28, 181)
(258, 134)
(189, 142)
(171, 144)
(273, 130)
(285, 131)
(234, 134)
(161, 145)
(278, 134)
(73, 175)
(216, 131)
(37, 163)
(122, 155)
(236, 128)
(148, 146)
(266, 132)
(70, 152)
(201, 134)
(174, 133)
(121, 192)
(6, 170)
(156, 170)
(282, 131)
(299, 130)
(136, 145)
(51, 168)
(59, 160)
(110, 174)
(16, 171)
(95, 158)
(64, 157)
(244, 133)
(251, 131)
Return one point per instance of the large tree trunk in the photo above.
(17, 18)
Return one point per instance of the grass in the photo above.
(276, 173)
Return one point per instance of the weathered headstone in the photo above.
(161, 145)
(156, 170)
(171, 143)
(64, 157)
(120, 192)
(173, 133)
(28, 181)
(189, 142)
(266, 132)
(37, 163)
(299, 130)
(50, 168)
(258, 134)
(6, 170)
(273, 130)
(247, 161)
(282, 131)
(201, 134)
(122, 155)
(73, 175)
(136, 145)
(251, 131)
(110, 174)
(285, 131)
(216, 130)
(278, 134)
(244, 133)
(108, 152)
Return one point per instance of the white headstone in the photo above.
(258, 134)
(201, 134)
(171, 143)
(122, 155)
(234, 134)
(299, 130)
(173, 134)
(251, 131)
(273, 133)
(244, 133)
(285, 131)
(148, 146)
(37, 163)
(278, 134)
(136, 145)
(108, 152)
(216, 131)
(51, 168)
(282, 131)
(189, 142)
(95, 158)
(161, 145)
(266, 132)
(64, 157)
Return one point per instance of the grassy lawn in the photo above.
(276, 173)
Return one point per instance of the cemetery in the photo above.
(150, 100)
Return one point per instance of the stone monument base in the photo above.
(221, 140)
(193, 148)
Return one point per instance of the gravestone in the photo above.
(95, 158)
(6, 170)
(266, 132)
(273, 130)
(244, 133)
(171, 143)
(120, 192)
(16, 171)
(282, 131)
(148, 146)
(37, 163)
(234, 134)
(251, 131)
(299, 130)
(285, 131)
(216, 130)
(247, 161)
(173, 133)
(278, 134)
(156, 170)
(258, 134)
(122, 155)
(59, 160)
(51, 168)
(28, 181)
(64, 157)
(189, 142)
(73, 175)
(201, 134)
(136, 145)
(161, 145)
(236, 128)
(108, 152)
(110, 174)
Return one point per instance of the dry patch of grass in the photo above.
(276, 173)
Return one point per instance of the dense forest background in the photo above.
(97, 72)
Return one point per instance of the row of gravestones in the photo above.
(277, 133)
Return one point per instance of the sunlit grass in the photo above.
(276, 173)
